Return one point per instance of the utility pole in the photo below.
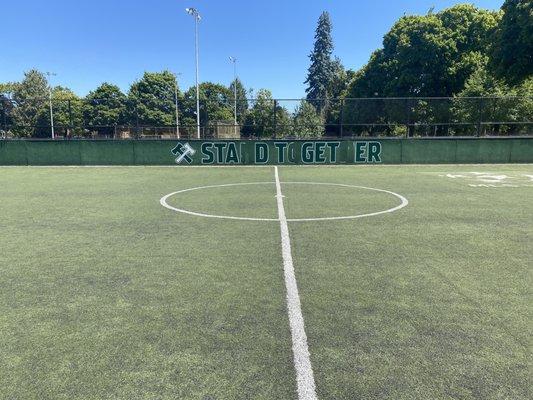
(176, 104)
(49, 74)
(234, 61)
(197, 18)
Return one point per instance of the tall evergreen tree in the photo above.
(321, 71)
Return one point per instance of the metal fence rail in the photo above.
(267, 118)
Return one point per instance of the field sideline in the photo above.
(105, 293)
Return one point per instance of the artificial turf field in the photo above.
(106, 294)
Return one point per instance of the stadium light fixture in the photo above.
(234, 61)
(194, 13)
(49, 74)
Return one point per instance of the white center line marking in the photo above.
(302, 361)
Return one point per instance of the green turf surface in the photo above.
(105, 294)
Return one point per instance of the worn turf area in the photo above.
(104, 293)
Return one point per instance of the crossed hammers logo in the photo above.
(183, 152)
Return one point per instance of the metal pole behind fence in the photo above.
(70, 120)
(480, 115)
(196, 20)
(275, 120)
(407, 116)
(176, 107)
(341, 116)
(51, 114)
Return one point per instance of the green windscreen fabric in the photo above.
(267, 152)
(13, 152)
(150, 152)
(53, 152)
(522, 151)
(107, 152)
(484, 151)
(428, 151)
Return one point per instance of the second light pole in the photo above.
(234, 61)
(51, 109)
(197, 18)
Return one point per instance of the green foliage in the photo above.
(6, 105)
(68, 116)
(152, 99)
(430, 55)
(322, 69)
(242, 102)
(30, 97)
(433, 55)
(501, 102)
(266, 118)
(338, 90)
(307, 122)
(512, 50)
(216, 104)
(105, 108)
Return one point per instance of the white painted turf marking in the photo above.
(302, 362)
(163, 202)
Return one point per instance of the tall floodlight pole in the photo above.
(49, 74)
(234, 61)
(197, 18)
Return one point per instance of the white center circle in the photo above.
(163, 202)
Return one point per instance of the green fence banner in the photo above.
(267, 152)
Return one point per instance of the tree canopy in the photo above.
(242, 101)
(30, 97)
(266, 118)
(104, 108)
(429, 55)
(215, 104)
(152, 99)
(512, 48)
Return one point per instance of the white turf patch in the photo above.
(403, 202)
(302, 361)
(491, 179)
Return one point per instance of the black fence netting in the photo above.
(266, 117)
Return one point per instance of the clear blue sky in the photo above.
(87, 42)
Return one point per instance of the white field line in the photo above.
(302, 361)
(164, 203)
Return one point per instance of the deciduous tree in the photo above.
(152, 99)
(512, 49)
(105, 108)
(30, 98)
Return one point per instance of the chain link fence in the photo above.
(267, 118)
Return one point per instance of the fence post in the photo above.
(480, 115)
(136, 122)
(407, 116)
(4, 118)
(71, 124)
(275, 119)
(341, 116)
